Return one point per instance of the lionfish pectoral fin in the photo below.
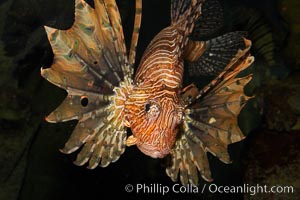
(211, 123)
(210, 57)
(188, 160)
(91, 64)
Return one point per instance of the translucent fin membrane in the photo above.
(90, 63)
(210, 123)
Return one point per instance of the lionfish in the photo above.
(166, 119)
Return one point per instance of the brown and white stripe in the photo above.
(160, 65)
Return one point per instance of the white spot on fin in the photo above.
(212, 120)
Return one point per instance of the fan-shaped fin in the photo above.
(212, 56)
(78, 107)
(211, 20)
(217, 111)
(238, 63)
(107, 10)
(91, 64)
(105, 145)
(209, 143)
(200, 159)
(210, 123)
(82, 133)
(88, 44)
(217, 114)
(70, 82)
(109, 149)
(188, 158)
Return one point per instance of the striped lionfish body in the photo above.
(166, 120)
(154, 108)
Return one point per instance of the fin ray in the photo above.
(210, 123)
(211, 21)
(214, 55)
(90, 63)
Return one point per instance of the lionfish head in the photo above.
(154, 124)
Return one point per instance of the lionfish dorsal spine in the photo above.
(135, 33)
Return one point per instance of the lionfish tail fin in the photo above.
(91, 64)
(211, 122)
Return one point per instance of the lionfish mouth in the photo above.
(160, 147)
(154, 151)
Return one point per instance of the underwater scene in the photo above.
(172, 99)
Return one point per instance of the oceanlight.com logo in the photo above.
(157, 188)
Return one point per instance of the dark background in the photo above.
(31, 167)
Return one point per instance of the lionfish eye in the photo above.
(152, 108)
(147, 107)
